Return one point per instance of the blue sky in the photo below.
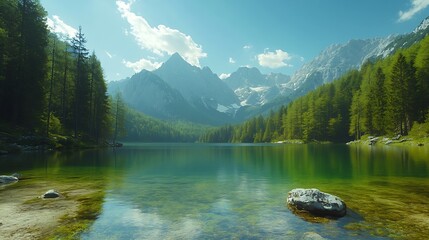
(273, 35)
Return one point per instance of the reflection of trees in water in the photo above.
(389, 161)
(297, 161)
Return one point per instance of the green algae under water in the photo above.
(223, 191)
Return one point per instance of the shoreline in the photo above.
(400, 141)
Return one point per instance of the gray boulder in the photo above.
(51, 194)
(4, 179)
(316, 202)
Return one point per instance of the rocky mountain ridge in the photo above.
(337, 59)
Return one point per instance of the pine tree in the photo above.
(397, 96)
(378, 97)
(422, 81)
(269, 128)
(119, 118)
(98, 102)
(51, 88)
(81, 84)
(24, 70)
(356, 114)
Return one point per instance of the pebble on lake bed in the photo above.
(51, 194)
(316, 202)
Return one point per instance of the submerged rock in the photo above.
(316, 202)
(4, 179)
(17, 175)
(312, 236)
(51, 194)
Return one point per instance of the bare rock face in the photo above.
(316, 202)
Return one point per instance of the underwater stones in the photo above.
(4, 179)
(316, 202)
(312, 236)
(51, 194)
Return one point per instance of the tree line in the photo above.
(385, 97)
(142, 128)
(48, 85)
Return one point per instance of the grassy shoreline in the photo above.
(35, 218)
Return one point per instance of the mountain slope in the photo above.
(337, 59)
(149, 94)
(189, 93)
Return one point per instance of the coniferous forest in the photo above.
(48, 85)
(386, 97)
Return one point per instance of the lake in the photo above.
(236, 191)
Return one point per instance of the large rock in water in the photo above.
(316, 202)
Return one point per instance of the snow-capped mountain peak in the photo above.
(423, 25)
(254, 88)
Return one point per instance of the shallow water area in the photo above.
(212, 191)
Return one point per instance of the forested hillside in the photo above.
(143, 128)
(48, 85)
(385, 97)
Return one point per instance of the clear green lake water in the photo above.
(224, 191)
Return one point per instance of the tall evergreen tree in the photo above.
(422, 81)
(24, 69)
(119, 118)
(356, 116)
(378, 98)
(397, 90)
(81, 84)
(99, 105)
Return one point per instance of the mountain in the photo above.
(332, 63)
(148, 93)
(337, 59)
(179, 91)
(200, 87)
(254, 88)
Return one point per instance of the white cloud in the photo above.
(247, 46)
(62, 29)
(142, 64)
(274, 59)
(224, 75)
(231, 60)
(416, 6)
(160, 39)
